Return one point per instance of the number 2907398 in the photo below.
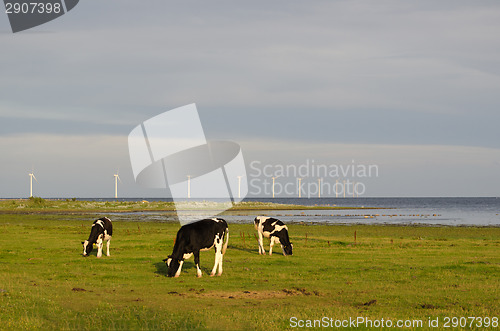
(33, 8)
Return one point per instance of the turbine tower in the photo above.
(117, 178)
(239, 186)
(274, 178)
(32, 175)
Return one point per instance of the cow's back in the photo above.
(268, 224)
(108, 226)
(198, 235)
(259, 222)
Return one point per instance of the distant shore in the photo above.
(40, 205)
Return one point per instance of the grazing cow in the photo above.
(276, 231)
(195, 237)
(102, 229)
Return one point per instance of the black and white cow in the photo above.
(195, 237)
(276, 231)
(102, 229)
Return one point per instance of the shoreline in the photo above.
(73, 206)
(122, 218)
(291, 211)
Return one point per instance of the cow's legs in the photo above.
(107, 247)
(261, 244)
(215, 263)
(197, 263)
(99, 246)
(218, 258)
(178, 273)
(220, 264)
(274, 240)
(99, 249)
(221, 256)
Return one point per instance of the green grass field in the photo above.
(389, 272)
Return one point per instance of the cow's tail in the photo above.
(226, 242)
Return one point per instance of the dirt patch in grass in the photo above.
(427, 306)
(245, 294)
(78, 289)
(258, 295)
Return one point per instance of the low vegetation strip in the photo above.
(338, 272)
(37, 204)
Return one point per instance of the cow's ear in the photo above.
(83, 242)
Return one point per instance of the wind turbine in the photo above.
(274, 178)
(189, 186)
(239, 186)
(117, 178)
(32, 175)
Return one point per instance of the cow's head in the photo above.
(87, 247)
(284, 239)
(167, 260)
(173, 266)
(287, 249)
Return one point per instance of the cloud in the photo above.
(317, 55)
(65, 165)
(403, 170)
(286, 73)
(83, 166)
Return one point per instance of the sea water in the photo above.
(403, 211)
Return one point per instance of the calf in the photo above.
(102, 229)
(195, 237)
(276, 231)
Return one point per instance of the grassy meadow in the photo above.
(337, 271)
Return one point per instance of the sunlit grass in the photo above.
(394, 272)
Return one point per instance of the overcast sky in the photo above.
(410, 86)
